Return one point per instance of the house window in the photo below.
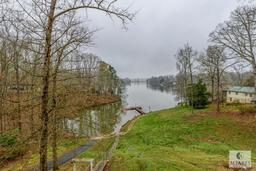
(246, 94)
(230, 99)
(250, 95)
(229, 92)
(236, 93)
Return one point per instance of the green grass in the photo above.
(99, 150)
(176, 140)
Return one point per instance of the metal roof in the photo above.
(243, 89)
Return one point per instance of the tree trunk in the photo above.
(4, 73)
(254, 72)
(1, 115)
(192, 88)
(185, 87)
(44, 115)
(212, 80)
(17, 75)
(54, 105)
(45, 94)
(218, 90)
(31, 117)
(54, 139)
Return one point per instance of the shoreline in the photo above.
(88, 102)
(79, 103)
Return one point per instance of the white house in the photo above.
(241, 95)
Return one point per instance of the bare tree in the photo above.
(86, 66)
(205, 62)
(13, 37)
(75, 37)
(238, 35)
(185, 58)
(43, 19)
(218, 60)
(240, 74)
(5, 61)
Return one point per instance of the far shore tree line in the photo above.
(162, 83)
(229, 56)
(45, 70)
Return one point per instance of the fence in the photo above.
(102, 162)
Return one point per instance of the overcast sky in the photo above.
(159, 29)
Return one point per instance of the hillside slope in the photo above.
(174, 139)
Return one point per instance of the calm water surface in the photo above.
(110, 118)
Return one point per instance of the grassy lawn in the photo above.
(175, 139)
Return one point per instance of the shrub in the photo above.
(10, 147)
(9, 138)
(11, 153)
(247, 109)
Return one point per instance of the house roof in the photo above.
(242, 89)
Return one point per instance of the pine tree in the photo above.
(198, 95)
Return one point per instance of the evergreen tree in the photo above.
(198, 95)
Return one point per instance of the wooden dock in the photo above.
(138, 109)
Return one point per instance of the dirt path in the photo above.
(68, 156)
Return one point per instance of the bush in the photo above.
(12, 153)
(10, 147)
(9, 138)
(234, 103)
(247, 109)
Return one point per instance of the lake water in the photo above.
(110, 118)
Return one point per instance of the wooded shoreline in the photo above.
(29, 154)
